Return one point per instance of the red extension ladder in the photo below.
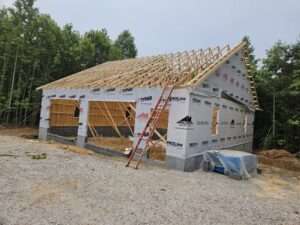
(137, 153)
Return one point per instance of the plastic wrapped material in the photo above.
(235, 164)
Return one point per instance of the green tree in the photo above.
(279, 76)
(115, 53)
(34, 50)
(101, 43)
(67, 59)
(125, 42)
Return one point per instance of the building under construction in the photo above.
(178, 104)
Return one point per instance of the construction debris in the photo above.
(39, 156)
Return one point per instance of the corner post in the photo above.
(44, 117)
(179, 125)
(83, 123)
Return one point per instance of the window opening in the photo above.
(245, 123)
(215, 121)
(76, 112)
(232, 123)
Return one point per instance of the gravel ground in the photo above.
(71, 188)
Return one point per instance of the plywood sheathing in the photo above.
(110, 114)
(62, 113)
(163, 119)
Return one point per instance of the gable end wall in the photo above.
(231, 78)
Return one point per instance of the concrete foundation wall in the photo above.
(110, 131)
(43, 132)
(61, 139)
(104, 151)
(81, 141)
(187, 165)
(64, 131)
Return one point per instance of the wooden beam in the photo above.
(160, 136)
(112, 119)
(107, 117)
(126, 119)
(92, 131)
(102, 111)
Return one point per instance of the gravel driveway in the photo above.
(68, 188)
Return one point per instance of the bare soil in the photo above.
(26, 132)
(74, 186)
(279, 158)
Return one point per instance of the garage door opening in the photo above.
(64, 118)
(111, 124)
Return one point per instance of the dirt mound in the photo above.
(276, 154)
(279, 158)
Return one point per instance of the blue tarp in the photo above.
(236, 164)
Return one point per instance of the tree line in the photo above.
(34, 50)
(278, 88)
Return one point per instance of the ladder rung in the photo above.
(136, 159)
(155, 116)
(133, 166)
(139, 155)
(138, 151)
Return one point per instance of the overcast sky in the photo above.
(162, 26)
